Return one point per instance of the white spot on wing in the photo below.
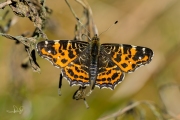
(144, 50)
(46, 42)
(56, 41)
(133, 46)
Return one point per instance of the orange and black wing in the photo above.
(61, 52)
(109, 74)
(127, 57)
(77, 72)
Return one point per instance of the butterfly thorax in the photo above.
(94, 48)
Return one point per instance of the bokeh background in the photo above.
(150, 23)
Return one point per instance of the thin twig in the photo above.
(67, 2)
(90, 18)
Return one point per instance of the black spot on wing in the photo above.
(109, 79)
(70, 72)
(124, 65)
(81, 77)
(70, 54)
(118, 57)
(60, 50)
(133, 66)
(115, 75)
(126, 58)
(62, 54)
(103, 79)
(75, 76)
(129, 56)
(55, 60)
(64, 61)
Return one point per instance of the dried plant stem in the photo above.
(150, 104)
(4, 4)
(85, 4)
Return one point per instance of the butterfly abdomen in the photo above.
(93, 71)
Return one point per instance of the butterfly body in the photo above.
(94, 54)
(102, 65)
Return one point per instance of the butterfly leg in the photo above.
(88, 94)
(86, 104)
(80, 94)
(60, 84)
(92, 85)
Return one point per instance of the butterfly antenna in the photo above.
(86, 36)
(109, 28)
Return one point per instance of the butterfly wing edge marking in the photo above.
(112, 87)
(71, 83)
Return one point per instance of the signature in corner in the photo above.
(16, 110)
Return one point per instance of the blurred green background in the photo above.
(150, 23)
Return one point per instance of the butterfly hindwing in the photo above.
(127, 57)
(61, 52)
(109, 74)
(77, 72)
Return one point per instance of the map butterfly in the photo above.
(91, 63)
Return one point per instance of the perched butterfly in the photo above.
(91, 63)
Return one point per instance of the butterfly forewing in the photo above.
(127, 57)
(61, 52)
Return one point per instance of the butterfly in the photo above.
(91, 63)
